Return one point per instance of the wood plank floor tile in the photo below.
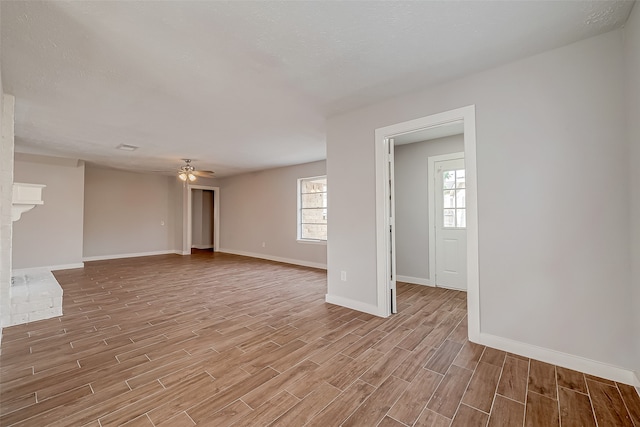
(541, 411)
(303, 411)
(410, 405)
(218, 339)
(334, 348)
(180, 420)
(443, 357)
(226, 416)
(632, 401)
(373, 410)
(608, 405)
(381, 370)
(600, 380)
(513, 382)
(482, 387)
(200, 412)
(469, 417)
(542, 379)
(338, 410)
(334, 367)
(390, 422)
(575, 409)
(570, 379)
(141, 421)
(271, 388)
(411, 366)
(447, 396)
(415, 337)
(432, 419)
(266, 413)
(10, 405)
(506, 413)
(364, 343)
(469, 355)
(493, 357)
(91, 407)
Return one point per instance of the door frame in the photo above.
(431, 161)
(382, 159)
(187, 223)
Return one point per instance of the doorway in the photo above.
(202, 232)
(194, 231)
(385, 209)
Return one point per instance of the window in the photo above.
(312, 208)
(453, 192)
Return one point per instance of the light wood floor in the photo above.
(224, 340)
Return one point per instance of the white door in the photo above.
(392, 230)
(450, 224)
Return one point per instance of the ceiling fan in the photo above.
(188, 172)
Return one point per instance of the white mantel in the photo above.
(25, 198)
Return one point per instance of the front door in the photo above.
(450, 224)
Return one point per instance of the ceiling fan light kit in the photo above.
(186, 175)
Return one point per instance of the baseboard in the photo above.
(565, 360)
(274, 258)
(202, 246)
(414, 280)
(131, 255)
(353, 304)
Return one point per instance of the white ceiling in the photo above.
(242, 86)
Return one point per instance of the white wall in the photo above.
(128, 213)
(552, 198)
(632, 90)
(262, 207)
(50, 235)
(412, 204)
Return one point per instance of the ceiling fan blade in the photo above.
(204, 174)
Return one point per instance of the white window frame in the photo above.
(299, 215)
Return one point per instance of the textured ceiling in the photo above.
(241, 86)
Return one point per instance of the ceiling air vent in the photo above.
(126, 147)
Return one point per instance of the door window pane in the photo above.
(460, 199)
(460, 178)
(449, 199)
(454, 199)
(449, 218)
(449, 179)
(461, 218)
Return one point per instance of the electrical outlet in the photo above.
(264, 244)
(343, 276)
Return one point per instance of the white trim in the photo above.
(467, 115)
(565, 360)
(312, 242)
(431, 188)
(275, 258)
(353, 304)
(130, 255)
(186, 223)
(414, 280)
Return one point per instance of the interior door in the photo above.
(392, 230)
(450, 224)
